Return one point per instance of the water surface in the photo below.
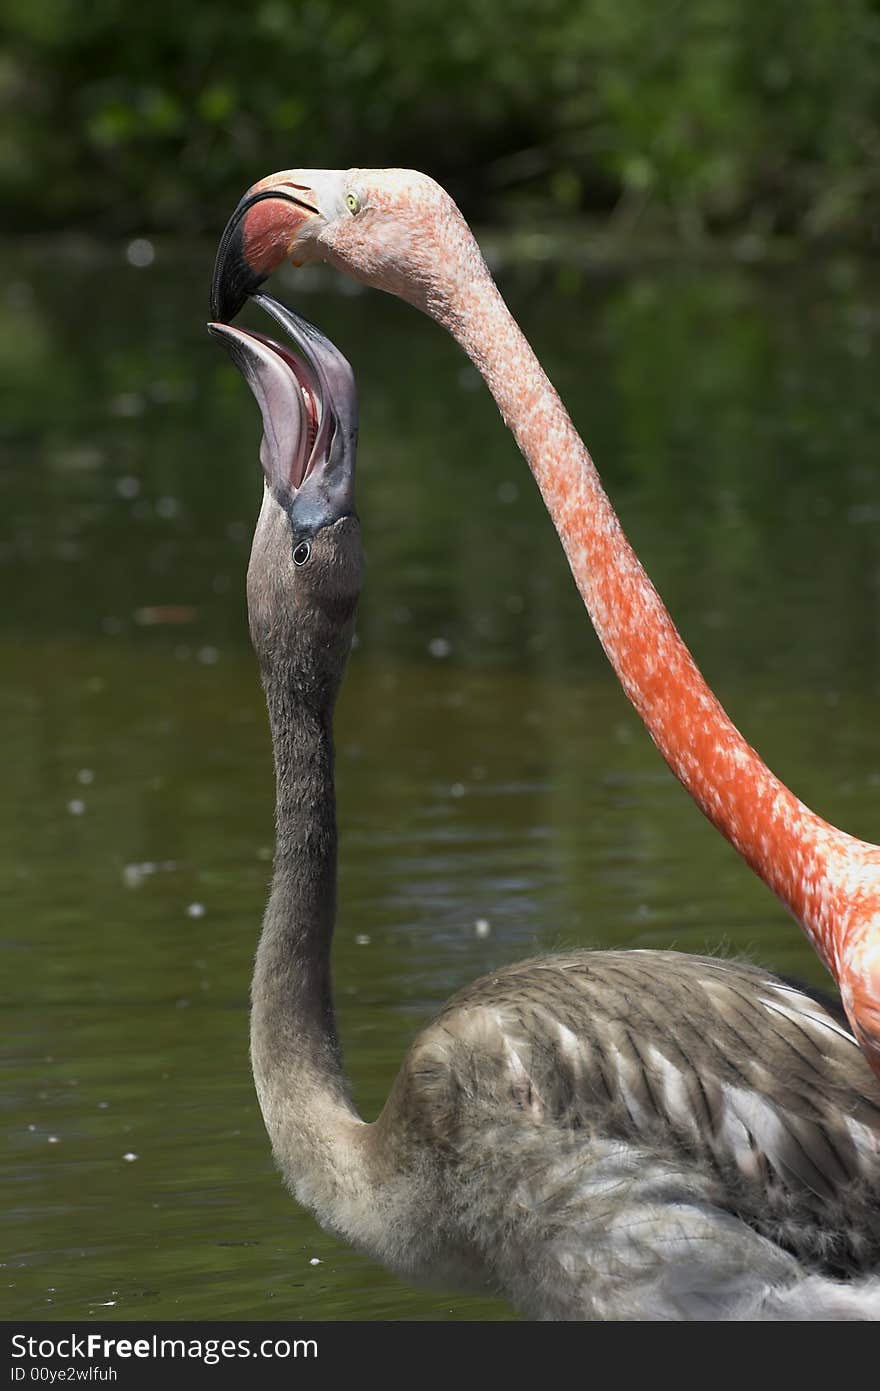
(490, 771)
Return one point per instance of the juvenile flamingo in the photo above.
(594, 1135)
(399, 231)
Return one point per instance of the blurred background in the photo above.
(727, 116)
(681, 206)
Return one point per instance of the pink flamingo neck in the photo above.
(827, 879)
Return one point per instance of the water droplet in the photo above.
(128, 486)
(76, 807)
(85, 776)
(195, 910)
(362, 939)
(315, 1261)
(439, 647)
(482, 928)
(130, 1156)
(507, 492)
(140, 253)
(54, 1140)
(208, 655)
(127, 405)
(457, 789)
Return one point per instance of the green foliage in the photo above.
(758, 114)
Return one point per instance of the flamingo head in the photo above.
(306, 562)
(393, 229)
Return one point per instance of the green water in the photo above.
(489, 768)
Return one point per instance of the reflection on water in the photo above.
(497, 795)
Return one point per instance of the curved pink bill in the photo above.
(308, 401)
(287, 394)
(304, 458)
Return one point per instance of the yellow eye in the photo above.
(352, 202)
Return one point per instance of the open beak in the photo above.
(308, 402)
(261, 233)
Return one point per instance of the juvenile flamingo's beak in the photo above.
(308, 401)
(261, 233)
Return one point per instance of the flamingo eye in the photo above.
(353, 203)
(302, 553)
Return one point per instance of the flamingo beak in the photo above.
(261, 233)
(308, 402)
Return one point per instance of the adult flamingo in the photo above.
(595, 1135)
(400, 231)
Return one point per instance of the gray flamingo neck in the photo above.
(294, 1044)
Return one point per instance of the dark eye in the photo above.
(302, 553)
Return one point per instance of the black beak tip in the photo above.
(233, 280)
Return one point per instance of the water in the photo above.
(497, 795)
